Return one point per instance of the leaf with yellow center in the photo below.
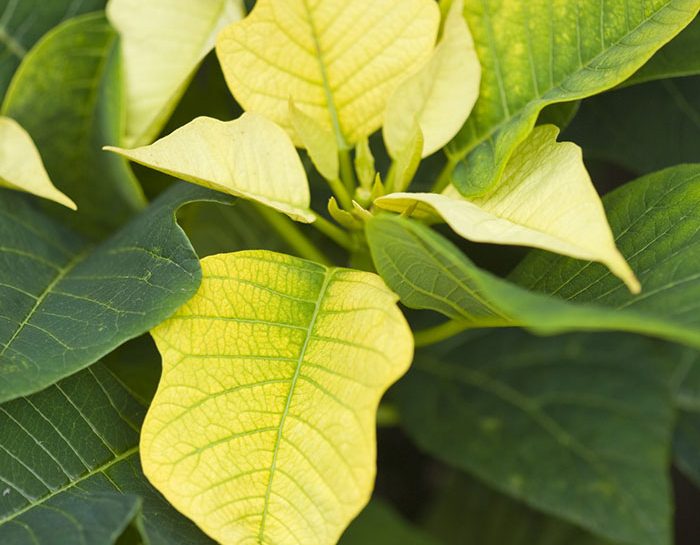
(163, 41)
(546, 200)
(249, 157)
(21, 167)
(263, 427)
(339, 60)
(441, 95)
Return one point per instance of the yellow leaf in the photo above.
(249, 157)
(441, 95)
(318, 141)
(163, 41)
(546, 200)
(21, 167)
(263, 427)
(340, 60)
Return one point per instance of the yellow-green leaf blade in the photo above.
(546, 200)
(263, 426)
(163, 41)
(441, 95)
(339, 60)
(21, 167)
(249, 157)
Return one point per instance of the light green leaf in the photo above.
(406, 163)
(680, 57)
(578, 426)
(21, 167)
(25, 21)
(163, 42)
(545, 200)
(64, 302)
(541, 53)
(263, 426)
(340, 61)
(69, 468)
(380, 524)
(364, 165)
(318, 141)
(440, 96)
(642, 128)
(249, 157)
(67, 95)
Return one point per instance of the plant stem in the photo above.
(445, 176)
(335, 233)
(347, 172)
(289, 231)
(341, 193)
(434, 335)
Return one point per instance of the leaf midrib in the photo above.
(297, 372)
(541, 100)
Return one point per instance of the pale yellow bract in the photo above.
(338, 60)
(249, 157)
(545, 200)
(21, 167)
(440, 96)
(163, 41)
(263, 427)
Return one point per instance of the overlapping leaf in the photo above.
(538, 53)
(65, 303)
(263, 426)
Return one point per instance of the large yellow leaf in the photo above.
(249, 157)
(163, 41)
(340, 60)
(441, 95)
(21, 166)
(263, 427)
(546, 200)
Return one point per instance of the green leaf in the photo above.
(545, 200)
(536, 54)
(380, 524)
(686, 443)
(339, 61)
(249, 157)
(25, 21)
(578, 426)
(69, 468)
(467, 512)
(67, 95)
(680, 57)
(642, 128)
(263, 426)
(21, 167)
(65, 303)
(163, 42)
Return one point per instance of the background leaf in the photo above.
(579, 426)
(536, 54)
(68, 95)
(66, 303)
(69, 468)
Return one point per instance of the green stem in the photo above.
(289, 231)
(341, 193)
(434, 335)
(335, 233)
(347, 173)
(445, 177)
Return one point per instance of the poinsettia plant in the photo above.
(229, 229)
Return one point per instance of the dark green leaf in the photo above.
(70, 472)
(579, 426)
(535, 54)
(379, 524)
(642, 128)
(686, 444)
(68, 95)
(64, 303)
(23, 22)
